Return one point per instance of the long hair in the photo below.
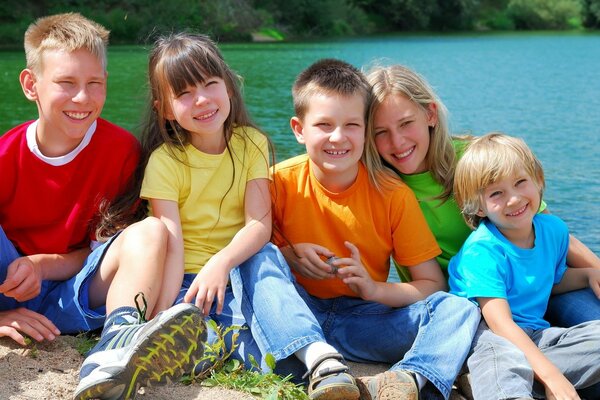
(399, 80)
(176, 61)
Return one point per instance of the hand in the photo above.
(307, 260)
(353, 273)
(594, 281)
(558, 387)
(28, 322)
(23, 280)
(209, 283)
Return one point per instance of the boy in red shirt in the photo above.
(57, 171)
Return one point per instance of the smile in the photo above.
(336, 152)
(405, 154)
(518, 212)
(77, 115)
(205, 116)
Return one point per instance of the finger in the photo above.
(40, 321)
(13, 334)
(596, 288)
(220, 301)
(208, 302)
(354, 253)
(190, 295)
(318, 267)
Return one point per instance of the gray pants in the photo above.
(499, 370)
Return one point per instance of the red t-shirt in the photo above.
(46, 209)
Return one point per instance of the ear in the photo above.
(481, 213)
(168, 113)
(298, 129)
(28, 80)
(432, 115)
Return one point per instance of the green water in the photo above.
(543, 87)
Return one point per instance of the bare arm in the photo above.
(427, 279)
(25, 274)
(498, 316)
(579, 278)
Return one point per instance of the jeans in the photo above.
(276, 307)
(414, 338)
(572, 308)
(499, 370)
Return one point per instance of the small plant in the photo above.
(30, 349)
(85, 342)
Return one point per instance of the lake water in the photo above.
(542, 87)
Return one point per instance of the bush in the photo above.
(545, 14)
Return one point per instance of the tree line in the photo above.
(136, 21)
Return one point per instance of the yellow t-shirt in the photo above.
(210, 196)
(380, 224)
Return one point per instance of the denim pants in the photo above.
(431, 337)
(573, 308)
(499, 370)
(278, 323)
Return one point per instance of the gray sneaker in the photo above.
(144, 354)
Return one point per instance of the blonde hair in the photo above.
(399, 80)
(335, 77)
(486, 160)
(68, 32)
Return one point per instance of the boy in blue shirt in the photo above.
(510, 265)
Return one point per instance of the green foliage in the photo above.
(591, 13)
(85, 342)
(545, 14)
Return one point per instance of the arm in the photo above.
(579, 255)
(168, 212)
(427, 279)
(212, 279)
(25, 274)
(579, 278)
(497, 315)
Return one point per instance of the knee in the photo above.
(150, 232)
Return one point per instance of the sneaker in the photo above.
(390, 385)
(144, 354)
(331, 383)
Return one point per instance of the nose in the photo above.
(81, 95)
(396, 139)
(336, 135)
(200, 97)
(513, 198)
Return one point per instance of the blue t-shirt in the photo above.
(488, 265)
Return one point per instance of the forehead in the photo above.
(322, 105)
(80, 62)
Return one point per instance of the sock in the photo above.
(310, 353)
(125, 315)
(421, 380)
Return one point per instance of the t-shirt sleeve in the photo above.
(162, 178)
(413, 241)
(476, 272)
(258, 150)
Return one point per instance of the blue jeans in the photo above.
(414, 338)
(276, 307)
(499, 370)
(573, 308)
(65, 303)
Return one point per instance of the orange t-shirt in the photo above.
(380, 224)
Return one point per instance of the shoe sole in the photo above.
(337, 393)
(156, 359)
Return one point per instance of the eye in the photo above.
(379, 132)
(354, 124)
(405, 123)
(520, 181)
(496, 193)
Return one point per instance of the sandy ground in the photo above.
(50, 370)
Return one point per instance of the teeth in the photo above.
(336, 152)
(406, 153)
(518, 212)
(206, 116)
(77, 115)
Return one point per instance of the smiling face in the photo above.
(511, 203)
(401, 130)
(201, 110)
(70, 92)
(333, 131)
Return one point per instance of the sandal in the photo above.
(331, 383)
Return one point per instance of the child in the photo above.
(207, 179)
(509, 265)
(409, 127)
(56, 172)
(338, 228)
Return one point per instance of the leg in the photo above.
(498, 369)
(417, 335)
(574, 351)
(134, 263)
(572, 308)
